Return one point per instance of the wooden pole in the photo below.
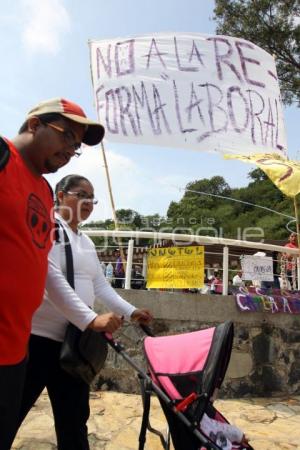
(112, 203)
(106, 166)
(298, 237)
(297, 220)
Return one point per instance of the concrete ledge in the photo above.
(266, 351)
(206, 308)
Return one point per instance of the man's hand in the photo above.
(142, 316)
(109, 323)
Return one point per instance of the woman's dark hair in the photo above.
(67, 183)
(44, 118)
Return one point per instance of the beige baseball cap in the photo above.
(94, 132)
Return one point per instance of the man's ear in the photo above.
(33, 123)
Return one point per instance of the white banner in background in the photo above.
(187, 90)
(258, 268)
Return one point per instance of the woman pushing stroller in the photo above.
(69, 397)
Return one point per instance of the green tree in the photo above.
(208, 214)
(215, 185)
(198, 207)
(152, 222)
(257, 175)
(204, 214)
(273, 25)
(129, 218)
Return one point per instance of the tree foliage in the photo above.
(128, 218)
(204, 214)
(273, 25)
(208, 215)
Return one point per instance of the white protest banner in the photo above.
(258, 268)
(188, 90)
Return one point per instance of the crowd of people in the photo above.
(115, 273)
(284, 272)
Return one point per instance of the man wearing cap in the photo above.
(51, 135)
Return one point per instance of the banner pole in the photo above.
(297, 219)
(298, 238)
(119, 240)
(112, 202)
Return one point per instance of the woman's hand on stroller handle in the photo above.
(108, 322)
(142, 316)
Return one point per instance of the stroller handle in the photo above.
(147, 330)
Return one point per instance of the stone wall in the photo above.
(265, 358)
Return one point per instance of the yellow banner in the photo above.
(176, 267)
(284, 173)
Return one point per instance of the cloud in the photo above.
(124, 175)
(133, 186)
(45, 22)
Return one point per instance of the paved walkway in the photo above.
(271, 424)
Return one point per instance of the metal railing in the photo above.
(176, 238)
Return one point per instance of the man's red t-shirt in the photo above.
(25, 240)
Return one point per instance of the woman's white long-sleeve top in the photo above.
(61, 304)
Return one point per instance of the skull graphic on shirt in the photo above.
(38, 221)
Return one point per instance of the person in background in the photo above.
(206, 286)
(119, 270)
(237, 279)
(50, 136)
(216, 285)
(291, 261)
(276, 271)
(103, 267)
(137, 279)
(229, 287)
(69, 397)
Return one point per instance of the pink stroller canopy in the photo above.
(195, 361)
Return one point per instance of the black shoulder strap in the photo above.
(4, 153)
(69, 254)
(56, 232)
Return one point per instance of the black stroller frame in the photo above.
(184, 415)
(161, 395)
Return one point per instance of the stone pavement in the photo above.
(271, 424)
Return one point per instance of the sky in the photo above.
(45, 54)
